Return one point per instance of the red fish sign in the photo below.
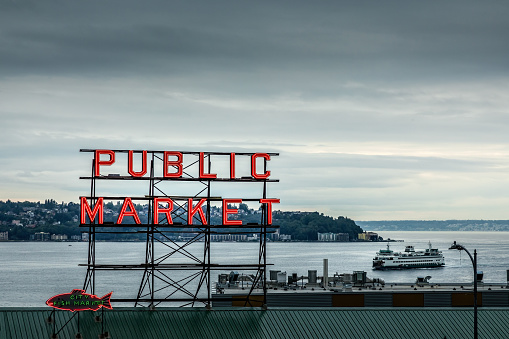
(78, 300)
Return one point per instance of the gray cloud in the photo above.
(124, 37)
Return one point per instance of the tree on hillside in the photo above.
(307, 225)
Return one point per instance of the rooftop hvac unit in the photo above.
(312, 276)
(281, 277)
(359, 277)
(273, 275)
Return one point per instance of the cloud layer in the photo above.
(388, 110)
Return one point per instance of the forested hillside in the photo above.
(307, 225)
(23, 219)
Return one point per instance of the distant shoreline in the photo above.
(436, 225)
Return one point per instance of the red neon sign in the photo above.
(78, 300)
(173, 164)
(173, 167)
(129, 210)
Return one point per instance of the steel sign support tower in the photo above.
(164, 280)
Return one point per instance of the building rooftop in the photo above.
(291, 323)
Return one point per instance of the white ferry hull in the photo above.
(402, 264)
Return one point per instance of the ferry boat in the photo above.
(388, 259)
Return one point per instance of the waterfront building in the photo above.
(228, 237)
(333, 236)
(40, 236)
(368, 236)
(285, 237)
(59, 237)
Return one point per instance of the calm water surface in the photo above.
(32, 272)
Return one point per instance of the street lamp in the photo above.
(458, 247)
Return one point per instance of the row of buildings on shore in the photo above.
(322, 237)
(344, 237)
(45, 236)
(325, 237)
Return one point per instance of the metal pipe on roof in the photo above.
(325, 279)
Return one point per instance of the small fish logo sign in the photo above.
(78, 300)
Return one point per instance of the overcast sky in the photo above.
(379, 109)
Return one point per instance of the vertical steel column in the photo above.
(265, 222)
(94, 201)
(150, 221)
(148, 272)
(90, 277)
(208, 241)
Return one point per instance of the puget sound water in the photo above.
(32, 272)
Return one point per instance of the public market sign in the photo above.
(173, 166)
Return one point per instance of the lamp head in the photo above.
(456, 246)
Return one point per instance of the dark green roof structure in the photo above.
(222, 323)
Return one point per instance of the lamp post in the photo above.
(458, 247)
